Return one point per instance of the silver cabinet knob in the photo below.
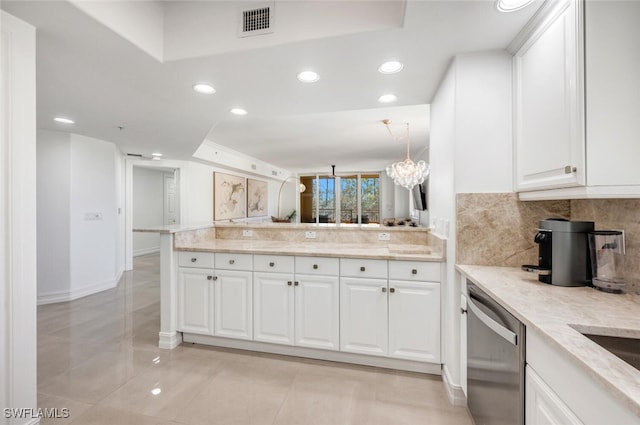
(414, 271)
(384, 289)
(315, 266)
(296, 283)
(289, 283)
(362, 268)
(232, 261)
(271, 264)
(209, 277)
(194, 259)
(392, 290)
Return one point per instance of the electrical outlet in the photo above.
(92, 216)
(310, 234)
(384, 236)
(247, 233)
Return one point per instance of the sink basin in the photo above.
(627, 349)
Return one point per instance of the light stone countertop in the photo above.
(557, 312)
(317, 249)
(173, 228)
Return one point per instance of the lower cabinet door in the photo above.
(414, 320)
(195, 300)
(363, 316)
(317, 313)
(234, 304)
(543, 406)
(273, 312)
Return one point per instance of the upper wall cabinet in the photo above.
(576, 94)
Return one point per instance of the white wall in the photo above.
(148, 208)
(53, 194)
(470, 151)
(18, 386)
(77, 176)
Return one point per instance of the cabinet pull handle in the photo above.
(271, 264)
(194, 259)
(569, 169)
(392, 290)
(289, 283)
(414, 271)
(296, 283)
(315, 266)
(209, 277)
(232, 261)
(362, 268)
(384, 289)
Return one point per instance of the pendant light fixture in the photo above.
(406, 173)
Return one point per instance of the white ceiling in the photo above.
(103, 66)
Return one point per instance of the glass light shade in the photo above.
(302, 188)
(408, 173)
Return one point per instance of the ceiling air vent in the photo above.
(256, 21)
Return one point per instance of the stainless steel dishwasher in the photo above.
(495, 361)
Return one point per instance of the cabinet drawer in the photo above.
(195, 259)
(355, 267)
(226, 261)
(273, 263)
(414, 270)
(317, 265)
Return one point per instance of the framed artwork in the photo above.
(229, 196)
(257, 197)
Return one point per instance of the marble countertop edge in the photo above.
(560, 317)
(316, 249)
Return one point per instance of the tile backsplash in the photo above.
(497, 229)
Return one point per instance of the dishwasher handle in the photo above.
(496, 327)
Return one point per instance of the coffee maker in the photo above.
(563, 252)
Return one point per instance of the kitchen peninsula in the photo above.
(360, 294)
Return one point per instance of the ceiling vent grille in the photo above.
(256, 21)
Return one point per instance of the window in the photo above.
(342, 199)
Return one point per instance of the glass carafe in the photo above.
(607, 260)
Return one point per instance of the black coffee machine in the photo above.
(563, 252)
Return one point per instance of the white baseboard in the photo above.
(169, 340)
(454, 392)
(139, 252)
(63, 296)
(311, 353)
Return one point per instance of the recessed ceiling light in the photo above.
(390, 67)
(204, 88)
(308, 77)
(64, 120)
(511, 5)
(238, 111)
(387, 98)
(158, 154)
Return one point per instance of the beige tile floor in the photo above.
(98, 357)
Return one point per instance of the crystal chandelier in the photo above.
(406, 173)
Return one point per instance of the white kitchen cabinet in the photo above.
(549, 113)
(317, 314)
(576, 99)
(273, 307)
(297, 309)
(195, 300)
(233, 304)
(542, 405)
(396, 317)
(363, 316)
(414, 320)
